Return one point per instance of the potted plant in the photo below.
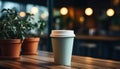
(31, 41)
(10, 34)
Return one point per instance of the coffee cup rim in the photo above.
(62, 33)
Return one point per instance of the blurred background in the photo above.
(96, 23)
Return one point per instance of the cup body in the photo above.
(62, 44)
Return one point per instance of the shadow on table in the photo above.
(1, 67)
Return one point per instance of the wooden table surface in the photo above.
(45, 60)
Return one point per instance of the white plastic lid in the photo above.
(62, 33)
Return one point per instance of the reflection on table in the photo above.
(45, 60)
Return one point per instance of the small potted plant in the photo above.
(10, 34)
(31, 41)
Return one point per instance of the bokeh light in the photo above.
(88, 11)
(115, 2)
(43, 15)
(63, 11)
(81, 19)
(110, 12)
(22, 14)
(34, 10)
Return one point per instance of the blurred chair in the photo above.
(116, 53)
(75, 47)
(88, 49)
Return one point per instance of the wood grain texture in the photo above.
(45, 60)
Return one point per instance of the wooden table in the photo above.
(45, 60)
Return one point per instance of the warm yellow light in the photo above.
(82, 19)
(110, 12)
(43, 16)
(22, 14)
(63, 10)
(115, 2)
(34, 10)
(88, 11)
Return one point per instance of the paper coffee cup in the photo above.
(62, 43)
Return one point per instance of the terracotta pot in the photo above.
(30, 46)
(10, 49)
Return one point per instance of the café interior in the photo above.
(96, 25)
